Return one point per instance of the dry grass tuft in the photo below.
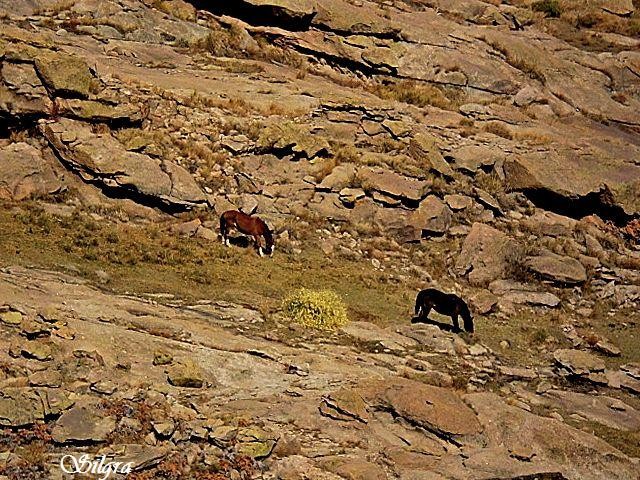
(498, 128)
(324, 167)
(532, 136)
(418, 93)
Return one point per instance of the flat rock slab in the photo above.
(607, 411)
(353, 468)
(433, 408)
(548, 441)
(65, 74)
(392, 184)
(369, 332)
(141, 456)
(558, 268)
(544, 299)
(83, 423)
(424, 149)
(345, 404)
(578, 362)
(618, 7)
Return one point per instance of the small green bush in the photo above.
(321, 309)
(551, 8)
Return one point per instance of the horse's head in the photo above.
(270, 246)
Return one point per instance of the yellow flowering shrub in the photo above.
(321, 309)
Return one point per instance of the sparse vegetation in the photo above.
(56, 8)
(150, 258)
(324, 167)
(346, 154)
(550, 8)
(498, 128)
(532, 136)
(321, 309)
(520, 56)
(421, 94)
(235, 42)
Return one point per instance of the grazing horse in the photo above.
(248, 225)
(444, 303)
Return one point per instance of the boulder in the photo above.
(179, 9)
(543, 222)
(290, 137)
(557, 268)
(423, 148)
(486, 254)
(64, 74)
(349, 196)
(101, 158)
(11, 317)
(458, 202)
(432, 217)
(24, 173)
(340, 177)
(186, 375)
(472, 157)
(526, 96)
(255, 442)
(20, 407)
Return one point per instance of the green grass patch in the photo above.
(151, 259)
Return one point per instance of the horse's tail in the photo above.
(466, 317)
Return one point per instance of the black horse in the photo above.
(444, 303)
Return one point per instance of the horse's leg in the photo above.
(224, 230)
(456, 323)
(256, 238)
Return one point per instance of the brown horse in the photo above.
(248, 225)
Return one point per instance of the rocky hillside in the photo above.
(486, 148)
